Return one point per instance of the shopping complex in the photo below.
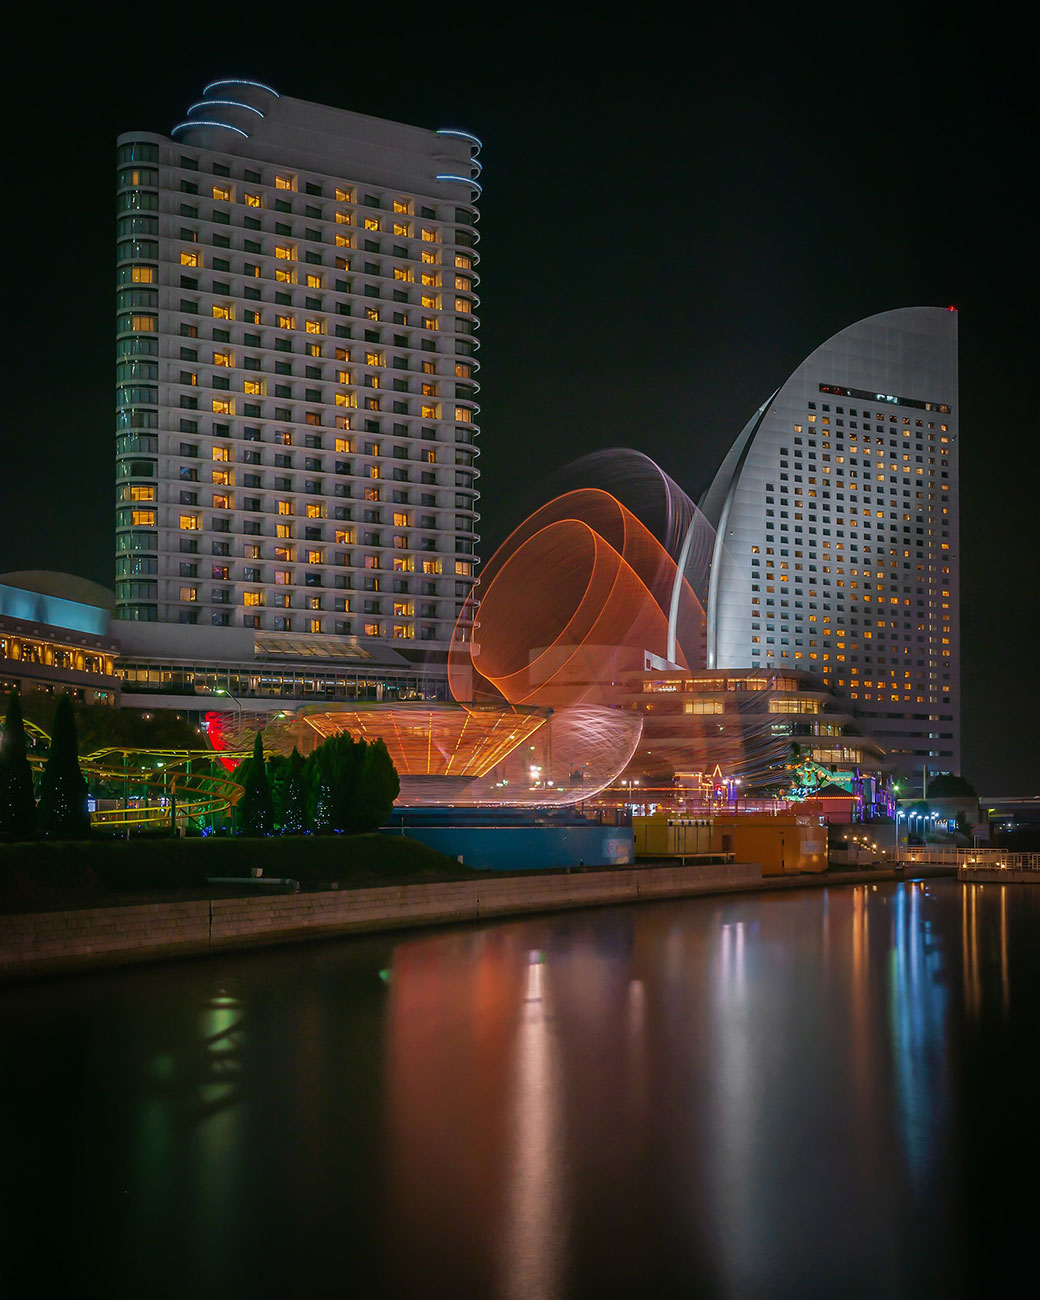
(296, 514)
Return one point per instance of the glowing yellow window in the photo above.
(221, 193)
(372, 313)
(221, 477)
(463, 415)
(143, 518)
(403, 609)
(190, 257)
(343, 241)
(371, 223)
(430, 412)
(431, 279)
(142, 492)
(345, 536)
(221, 501)
(343, 444)
(314, 349)
(430, 323)
(252, 200)
(315, 327)
(315, 510)
(252, 598)
(400, 205)
(254, 387)
(346, 399)
(189, 523)
(223, 406)
(402, 273)
(375, 359)
(463, 283)
(283, 530)
(463, 568)
(285, 182)
(343, 196)
(285, 275)
(371, 629)
(189, 593)
(287, 252)
(463, 305)
(285, 322)
(403, 564)
(223, 311)
(400, 542)
(463, 261)
(400, 520)
(221, 453)
(315, 557)
(283, 577)
(429, 236)
(403, 631)
(223, 358)
(285, 507)
(313, 281)
(429, 258)
(146, 275)
(431, 457)
(432, 566)
(432, 301)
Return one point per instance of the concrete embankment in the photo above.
(41, 943)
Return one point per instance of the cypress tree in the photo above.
(255, 808)
(377, 789)
(294, 809)
(63, 791)
(17, 804)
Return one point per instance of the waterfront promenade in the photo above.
(58, 940)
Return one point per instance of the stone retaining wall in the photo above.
(44, 942)
(38, 943)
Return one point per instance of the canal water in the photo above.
(819, 1093)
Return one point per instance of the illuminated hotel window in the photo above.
(145, 518)
(188, 523)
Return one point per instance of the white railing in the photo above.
(964, 859)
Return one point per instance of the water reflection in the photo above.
(782, 1095)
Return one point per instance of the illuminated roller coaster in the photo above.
(164, 775)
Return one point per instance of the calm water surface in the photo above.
(826, 1093)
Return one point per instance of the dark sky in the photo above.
(673, 218)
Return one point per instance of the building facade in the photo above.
(55, 636)
(296, 374)
(836, 545)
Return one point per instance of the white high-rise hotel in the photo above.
(837, 543)
(296, 372)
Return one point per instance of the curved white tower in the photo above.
(836, 518)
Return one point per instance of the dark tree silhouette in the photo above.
(294, 804)
(17, 802)
(63, 791)
(255, 811)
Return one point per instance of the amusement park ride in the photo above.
(149, 787)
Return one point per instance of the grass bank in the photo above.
(55, 873)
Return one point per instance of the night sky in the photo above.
(672, 219)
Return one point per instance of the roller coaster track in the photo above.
(161, 773)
